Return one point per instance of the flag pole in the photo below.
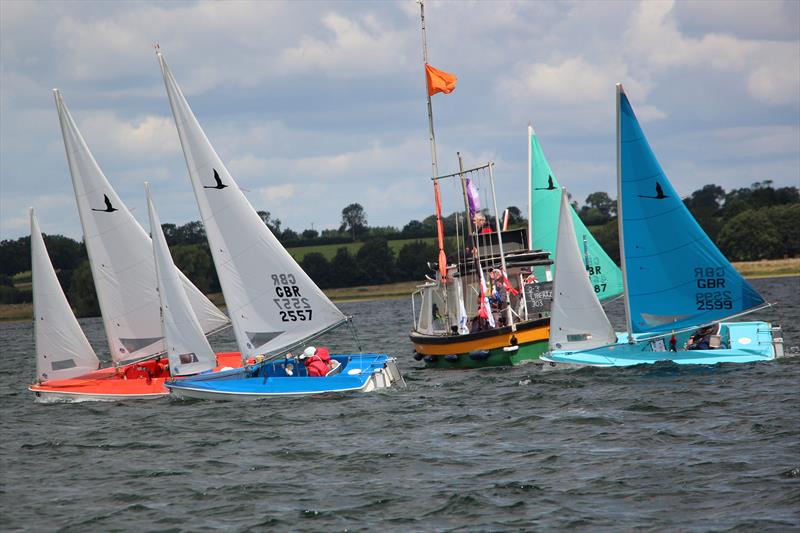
(432, 137)
(442, 260)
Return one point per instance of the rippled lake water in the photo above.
(507, 449)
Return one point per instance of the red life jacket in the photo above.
(315, 366)
(324, 354)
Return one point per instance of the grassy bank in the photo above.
(749, 269)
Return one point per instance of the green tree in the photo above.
(376, 260)
(413, 259)
(749, 236)
(310, 234)
(317, 267)
(195, 262)
(603, 203)
(190, 233)
(354, 219)
(415, 228)
(345, 270)
(607, 236)
(81, 292)
(788, 226)
(274, 225)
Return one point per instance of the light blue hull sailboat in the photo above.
(740, 342)
(680, 291)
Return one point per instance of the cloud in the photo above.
(771, 68)
(144, 138)
(354, 46)
(328, 97)
(275, 193)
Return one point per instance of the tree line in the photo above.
(750, 223)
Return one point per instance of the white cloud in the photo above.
(327, 97)
(356, 45)
(276, 193)
(148, 137)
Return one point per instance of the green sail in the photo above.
(545, 198)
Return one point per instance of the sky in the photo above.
(315, 105)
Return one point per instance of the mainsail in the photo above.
(62, 351)
(272, 303)
(121, 257)
(188, 349)
(676, 277)
(577, 320)
(544, 208)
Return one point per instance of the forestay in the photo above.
(62, 351)
(545, 204)
(577, 320)
(273, 304)
(121, 257)
(676, 277)
(187, 348)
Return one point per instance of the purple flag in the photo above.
(473, 199)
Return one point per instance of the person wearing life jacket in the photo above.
(321, 352)
(315, 365)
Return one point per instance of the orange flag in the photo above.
(438, 81)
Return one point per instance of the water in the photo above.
(499, 449)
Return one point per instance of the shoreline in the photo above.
(771, 268)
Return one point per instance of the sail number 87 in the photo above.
(600, 287)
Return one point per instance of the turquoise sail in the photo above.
(545, 202)
(676, 276)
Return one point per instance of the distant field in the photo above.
(329, 250)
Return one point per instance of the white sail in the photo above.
(120, 254)
(577, 320)
(188, 349)
(62, 351)
(272, 303)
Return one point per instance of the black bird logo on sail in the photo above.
(109, 208)
(219, 184)
(659, 193)
(550, 186)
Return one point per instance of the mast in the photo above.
(464, 190)
(442, 260)
(620, 228)
(509, 316)
(530, 189)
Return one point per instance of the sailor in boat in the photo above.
(315, 366)
(701, 340)
(323, 354)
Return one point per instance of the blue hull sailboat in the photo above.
(680, 291)
(287, 377)
(275, 307)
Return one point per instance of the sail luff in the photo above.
(620, 225)
(62, 350)
(530, 186)
(271, 300)
(187, 348)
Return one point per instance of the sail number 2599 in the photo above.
(292, 306)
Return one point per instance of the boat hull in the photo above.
(116, 384)
(743, 342)
(496, 347)
(359, 373)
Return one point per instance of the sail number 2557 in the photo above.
(292, 306)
